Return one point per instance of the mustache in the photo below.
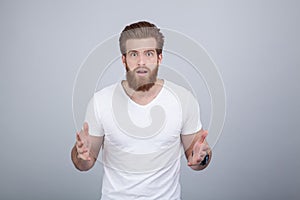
(137, 69)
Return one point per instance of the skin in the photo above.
(196, 148)
(141, 53)
(86, 149)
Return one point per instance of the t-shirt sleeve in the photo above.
(93, 119)
(191, 115)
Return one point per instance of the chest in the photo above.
(143, 129)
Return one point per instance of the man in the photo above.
(141, 150)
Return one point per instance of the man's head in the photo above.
(141, 46)
(141, 30)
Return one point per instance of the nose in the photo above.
(141, 60)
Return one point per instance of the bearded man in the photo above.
(141, 151)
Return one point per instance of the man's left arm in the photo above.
(197, 150)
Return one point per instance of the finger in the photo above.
(79, 141)
(84, 150)
(81, 156)
(84, 157)
(78, 137)
(79, 144)
(83, 153)
(86, 128)
(197, 149)
(198, 153)
(203, 136)
(200, 142)
(193, 163)
(205, 148)
(201, 156)
(194, 159)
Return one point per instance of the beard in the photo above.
(141, 83)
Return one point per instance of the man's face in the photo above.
(141, 63)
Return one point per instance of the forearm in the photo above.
(80, 164)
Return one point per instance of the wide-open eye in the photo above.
(149, 53)
(133, 54)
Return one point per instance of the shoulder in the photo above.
(106, 91)
(104, 96)
(182, 93)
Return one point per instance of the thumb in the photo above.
(203, 136)
(86, 128)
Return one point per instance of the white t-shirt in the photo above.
(142, 145)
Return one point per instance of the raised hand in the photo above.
(200, 150)
(83, 143)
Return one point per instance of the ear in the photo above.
(124, 60)
(159, 59)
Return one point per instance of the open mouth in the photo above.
(142, 71)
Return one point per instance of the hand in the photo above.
(200, 150)
(83, 143)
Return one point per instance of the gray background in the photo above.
(255, 45)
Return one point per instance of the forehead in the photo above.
(140, 44)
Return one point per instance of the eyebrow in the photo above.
(150, 50)
(135, 51)
(132, 51)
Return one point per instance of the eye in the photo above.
(133, 54)
(149, 53)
